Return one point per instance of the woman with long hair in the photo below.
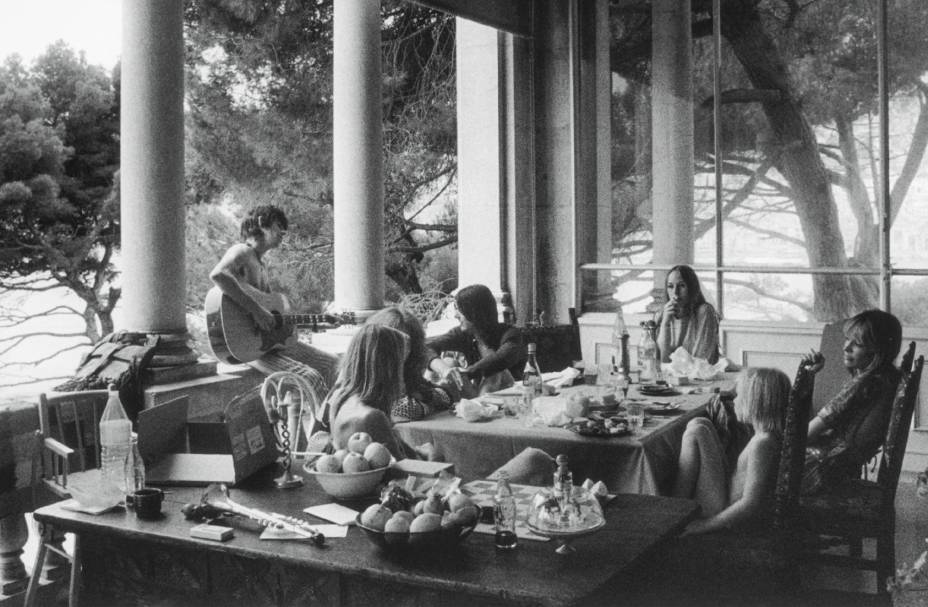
(421, 397)
(687, 320)
(493, 350)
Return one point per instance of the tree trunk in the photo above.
(798, 160)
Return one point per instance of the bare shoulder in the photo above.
(763, 445)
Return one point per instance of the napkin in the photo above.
(474, 411)
(550, 411)
(684, 364)
(559, 379)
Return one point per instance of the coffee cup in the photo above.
(147, 503)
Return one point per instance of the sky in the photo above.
(27, 27)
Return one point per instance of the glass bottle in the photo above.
(135, 467)
(620, 343)
(115, 445)
(647, 352)
(563, 482)
(505, 514)
(531, 374)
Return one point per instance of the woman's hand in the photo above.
(814, 360)
(264, 320)
(671, 310)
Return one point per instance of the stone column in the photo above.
(358, 157)
(672, 134)
(152, 173)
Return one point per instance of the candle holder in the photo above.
(287, 396)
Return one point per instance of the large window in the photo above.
(794, 144)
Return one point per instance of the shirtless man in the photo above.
(262, 230)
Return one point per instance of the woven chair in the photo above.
(864, 509)
(67, 453)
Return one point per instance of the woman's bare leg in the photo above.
(701, 469)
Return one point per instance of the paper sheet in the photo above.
(329, 531)
(334, 513)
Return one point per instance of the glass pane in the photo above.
(908, 301)
(799, 133)
(768, 297)
(908, 134)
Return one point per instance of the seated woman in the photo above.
(740, 497)
(687, 319)
(370, 380)
(421, 398)
(849, 430)
(493, 350)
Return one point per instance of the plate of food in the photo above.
(603, 427)
(657, 390)
(658, 408)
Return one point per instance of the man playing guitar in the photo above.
(242, 269)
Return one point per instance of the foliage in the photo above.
(59, 152)
(259, 88)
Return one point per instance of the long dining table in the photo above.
(632, 463)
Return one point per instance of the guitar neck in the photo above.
(306, 319)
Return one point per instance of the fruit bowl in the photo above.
(348, 485)
(444, 538)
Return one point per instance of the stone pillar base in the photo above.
(173, 350)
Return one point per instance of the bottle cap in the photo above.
(531, 347)
(561, 460)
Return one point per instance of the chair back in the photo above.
(908, 357)
(68, 436)
(792, 454)
(834, 374)
(897, 434)
(558, 346)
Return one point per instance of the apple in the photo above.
(425, 522)
(377, 455)
(465, 517)
(328, 463)
(456, 501)
(376, 517)
(419, 507)
(359, 441)
(406, 514)
(340, 454)
(355, 462)
(433, 504)
(397, 524)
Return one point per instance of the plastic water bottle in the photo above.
(505, 514)
(115, 447)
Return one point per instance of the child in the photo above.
(370, 379)
(421, 397)
(849, 430)
(740, 497)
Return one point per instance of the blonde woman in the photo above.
(741, 496)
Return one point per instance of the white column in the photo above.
(672, 133)
(152, 166)
(358, 156)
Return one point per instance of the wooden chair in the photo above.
(865, 509)
(67, 450)
(558, 346)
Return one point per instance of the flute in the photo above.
(216, 500)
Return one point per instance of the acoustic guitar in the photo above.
(235, 338)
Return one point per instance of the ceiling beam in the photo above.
(512, 16)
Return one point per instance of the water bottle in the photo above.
(620, 343)
(115, 447)
(505, 514)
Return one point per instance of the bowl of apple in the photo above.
(353, 472)
(402, 525)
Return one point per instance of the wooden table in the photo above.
(126, 560)
(644, 463)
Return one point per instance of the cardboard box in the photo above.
(228, 449)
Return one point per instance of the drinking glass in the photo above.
(635, 416)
